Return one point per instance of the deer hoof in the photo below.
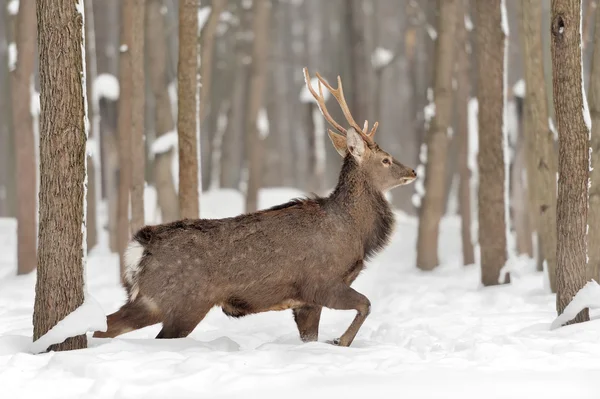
(335, 342)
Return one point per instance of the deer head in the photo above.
(381, 168)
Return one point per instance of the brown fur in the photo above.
(301, 255)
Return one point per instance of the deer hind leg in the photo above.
(180, 325)
(342, 297)
(307, 319)
(132, 316)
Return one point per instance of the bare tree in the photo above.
(137, 149)
(433, 203)
(493, 198)
(573, 156)
(24, 139)
(124, 128)
(156, 45)
(261, 20)
(542, 180)
(463, 93)
(186, 114)
(59, 289)
(594, 210)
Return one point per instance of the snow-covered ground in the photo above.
(437, 334)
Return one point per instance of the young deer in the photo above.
(301, 255)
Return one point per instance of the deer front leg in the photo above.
(307, 319)
(343, 297)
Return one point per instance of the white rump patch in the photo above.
(133, 256)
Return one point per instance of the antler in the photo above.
(339, 96)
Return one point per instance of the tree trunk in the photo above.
(186, 115)
(437, 139)
(138, 84)
(594, 210)
(573, 154)
(124, 127)
(359, 66)
(206, 64)
(156, 44)
(93, 160)
(60, 277)
(24, 141)
(463, 93)
(261, 19)
(493, 197)
(543, 179)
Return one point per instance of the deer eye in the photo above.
(386, 161)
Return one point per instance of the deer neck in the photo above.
(365, 206)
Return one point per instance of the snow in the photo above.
(165, 143)
(417, 197)
(381, 57)
(504, 18)
(586, 297)
(519, 88)
(13, 7)
(203, 14)
(88, 317)
(468, 23)
(123, 48)
(262, 123)
(473, 136)
(86, 127)
(429, 334)
(12, 56)
(431, 32)
(106, 86)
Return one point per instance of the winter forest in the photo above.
(226, 198)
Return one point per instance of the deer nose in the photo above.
(414, 173)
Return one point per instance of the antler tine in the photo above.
(373, 129)
(366, 126)
(321, 102)
(339, 96)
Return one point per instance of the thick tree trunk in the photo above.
(573, 155)
(463, 93)
(23, 138)
(93, 161)
(124, 129)
(138, 84)
(433, 203)
(543, 179)
(493, 197)
(261, 19)
(206, 64)
(63, 136)
(186, 116)
(156, 45)
(594, 210)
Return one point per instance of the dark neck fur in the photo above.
(365, 205)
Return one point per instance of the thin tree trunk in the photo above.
(463, 93)
(60, 277)
(124, 129)
(93, 161)
(24, 141)
(594, 210)
(156, 44)
(493, 197)
(138, 84)
(520, 192)
(206, 64)
(437, 139)
(7, 159)
(543, 179)
(186, 116)
(261, 19)
(573, 154)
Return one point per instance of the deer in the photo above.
(302, 255)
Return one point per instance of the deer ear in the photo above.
(355, 144)
(339, 142)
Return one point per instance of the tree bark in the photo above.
(437, 139)
(594, 210)
(542, 182)
(124, 128)
(156, 44)
(573, 154)
(93, 160)
(186, 115)
(463, 93)
(492, 196)
(24, 141)
(59, 288)
(261, 19)
(138, 84)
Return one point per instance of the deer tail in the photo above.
(134, 254)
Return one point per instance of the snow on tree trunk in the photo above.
(573, 124)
